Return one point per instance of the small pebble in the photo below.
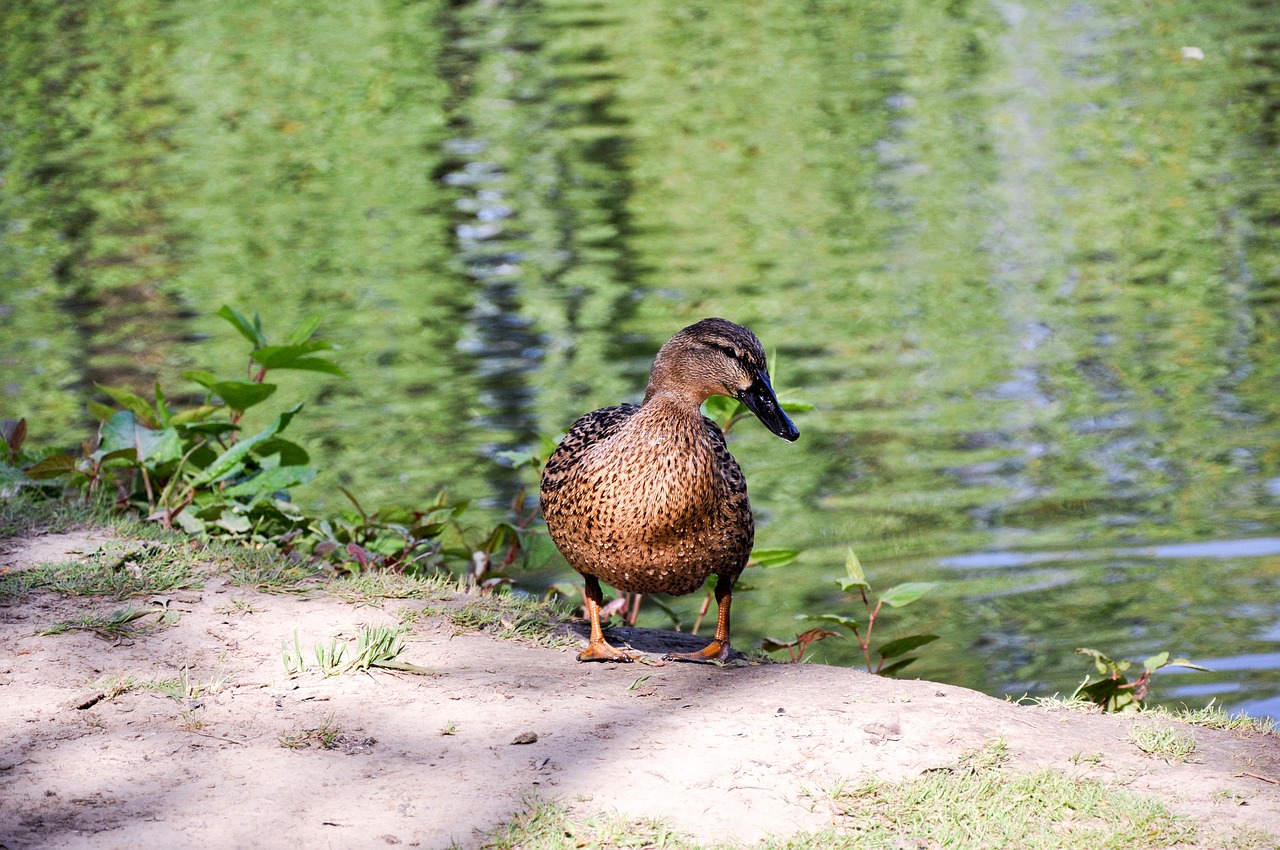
(526, 738)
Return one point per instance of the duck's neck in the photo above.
(676, 407)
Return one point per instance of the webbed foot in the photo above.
(716, 652)
(601, 651)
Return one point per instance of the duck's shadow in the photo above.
(657, 642)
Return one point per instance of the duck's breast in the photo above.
(647, 506)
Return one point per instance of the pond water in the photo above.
(1022, 258)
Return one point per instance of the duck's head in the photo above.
(717, 357)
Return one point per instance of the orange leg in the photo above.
(718, 650)
(597, 649)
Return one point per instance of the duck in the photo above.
(647, 498)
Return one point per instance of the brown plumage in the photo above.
(647, 497)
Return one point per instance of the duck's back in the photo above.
(647, 503)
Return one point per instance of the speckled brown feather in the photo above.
(647, 498)
(648, 502)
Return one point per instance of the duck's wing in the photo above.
(739, 523)
(728, 465)
(590, 429)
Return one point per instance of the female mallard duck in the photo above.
(647, 497)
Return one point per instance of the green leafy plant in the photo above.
(1112, 690)
(890, 657)
(376, 647)
(194, 467)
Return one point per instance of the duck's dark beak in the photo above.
(761, 401)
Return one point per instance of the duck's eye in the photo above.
(727, 351)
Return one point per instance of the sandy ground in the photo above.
(429, 761)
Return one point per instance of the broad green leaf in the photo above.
(271, 480)
(242, 395)
(190, 523)
(1155, 662)
(100, 411)
(213, 429)
(251, 331)
(851, 584)
(305, 329)
(721, 407)
(774, 557)
(426, 531)
(314, 364)
(538, 549)
(903, 645)
(130, 455)
(123, 431)
(52, 467)
(163, 414)
(853, 569)
(905, 594)
(131, 402)
(159, 446)
(291, 454)
(275, 356)
(897, 665)
(516, 458)
(549, 444)
(195, 414)
(1186, 662)
(1107, 693)
(838, 619)
(201, 377)
(230, 461)
(117, 432)
(392, 514)
(503, 535)
(1103, 663)
(233, 522)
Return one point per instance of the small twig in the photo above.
(1263, 778)
(219, 738)
(702, 612)
(146, 481)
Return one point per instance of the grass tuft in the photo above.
(545, 825)
(512, 616)
(1213, 716)
(185, 689)
(114, 685)
(375, 647)
(115, 571)
(370, 587)
(113, 626)
(1161, 739)
(265, 570)
(977, 803)
(1043, 808)
(24, 514)
(325, 735)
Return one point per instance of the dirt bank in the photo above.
(216, 758)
